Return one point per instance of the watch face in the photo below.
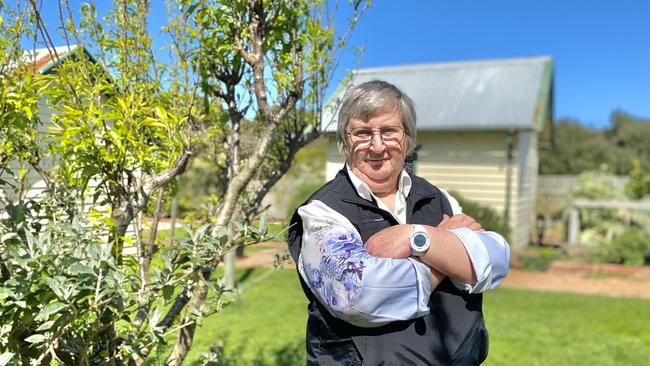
(420, 240)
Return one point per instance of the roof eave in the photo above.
(54, 63)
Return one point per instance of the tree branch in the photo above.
(179, 167)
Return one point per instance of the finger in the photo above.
(475, 226)
(445, 221)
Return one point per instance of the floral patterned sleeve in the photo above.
(361, 289)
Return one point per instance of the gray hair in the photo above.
(363, 100)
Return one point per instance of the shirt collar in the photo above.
(404, 185)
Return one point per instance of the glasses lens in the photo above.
(361, 134)
(390, 136)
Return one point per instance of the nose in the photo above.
(376, 143)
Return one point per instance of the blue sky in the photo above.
(601, 49)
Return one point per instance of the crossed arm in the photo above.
(378, 283)
(447, 255)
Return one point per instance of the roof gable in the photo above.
(44, 60)
(512, 94)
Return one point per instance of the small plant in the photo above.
(539, 259)
(632, 248)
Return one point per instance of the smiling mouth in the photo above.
(376, 161)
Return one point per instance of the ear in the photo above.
(406, 146)
(345, 149)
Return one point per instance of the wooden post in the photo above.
(574, 227)
(229, 270)
(172, 224)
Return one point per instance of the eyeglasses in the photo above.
(390, 135)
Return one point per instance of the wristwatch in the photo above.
(419, 241)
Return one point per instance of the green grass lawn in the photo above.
(542, 328)
(267, 325)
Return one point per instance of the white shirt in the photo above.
(369, 291)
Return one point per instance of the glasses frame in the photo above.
(374, 131)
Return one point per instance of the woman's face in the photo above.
(378, 164)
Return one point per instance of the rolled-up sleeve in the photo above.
(361, 289)
(490, 256)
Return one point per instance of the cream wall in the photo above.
(524, 208)
(335, 159)
(472, 164)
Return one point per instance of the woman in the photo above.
(393, 271)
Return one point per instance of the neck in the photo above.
(386, 194)
(388, 200)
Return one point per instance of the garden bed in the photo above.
(617, 270)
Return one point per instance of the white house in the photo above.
(45, 61)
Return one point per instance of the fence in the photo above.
(554, 205)
(574, 216)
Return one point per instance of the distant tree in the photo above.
(631, 138)
(576, 149)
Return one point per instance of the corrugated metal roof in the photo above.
(477, 95)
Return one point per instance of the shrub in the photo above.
(539, 259)
(612, 235)
(64, 296)
(486, 216)
(639, 184)
(632, 248)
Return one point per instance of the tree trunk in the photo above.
(233, 192)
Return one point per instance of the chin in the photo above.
(378, 173)
(381, 177)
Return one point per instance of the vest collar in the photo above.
(403, 188)
(417, 193)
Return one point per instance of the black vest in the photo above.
(452, 334)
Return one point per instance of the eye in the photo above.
(362, 133)
(390, 131)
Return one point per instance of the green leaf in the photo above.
(45, 326)
(168, 292)
(160, 113)
(5, 358)
(7, 237)
(50, 309)
(78, 268)
(36, 338)
(5, 292)
(55, 284)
